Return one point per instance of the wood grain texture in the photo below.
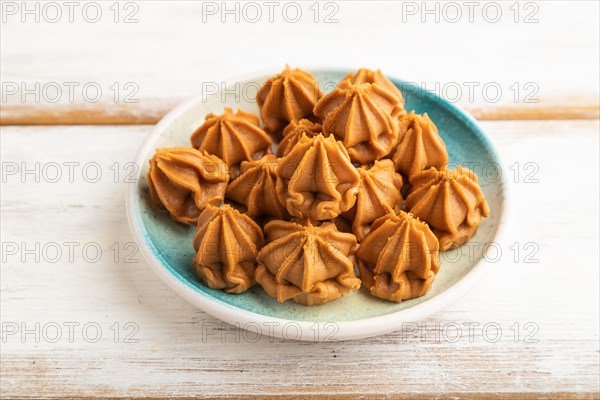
(181, 351)
(178, 351)
(497, 70)
(150, 111)
(425, 396)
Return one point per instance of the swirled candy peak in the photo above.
(233, 137)
(378, 194)
(288, 96)
(255, 188)
(450, 201)
(316, 179)
(360, 115)
(294, 131)
(184, 181)
(419, 145)
(398, 260)
(308, 262)
(376, 77)
(226, 245)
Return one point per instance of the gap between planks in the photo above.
(150, 111)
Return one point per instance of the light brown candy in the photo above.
(232, 137)
(255, 188)
(419, 145)
(309, 262)
(378, 194)
(450, 201)
(288, 96)
(184, 181)
(293, 132)
(316, 179)
(361, 117)
(399, 259)
(226, 244)
(365, 75)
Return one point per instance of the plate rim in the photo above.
(277, 327)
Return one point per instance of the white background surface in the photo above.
(169, 54)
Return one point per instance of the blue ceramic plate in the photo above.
(167, 245)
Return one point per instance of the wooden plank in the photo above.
(540, 72)
(148, 112)
(181, 351)
(151, 111)
(551, 110)
(424, 396)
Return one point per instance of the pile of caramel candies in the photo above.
(298, 221)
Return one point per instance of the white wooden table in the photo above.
(84, 316)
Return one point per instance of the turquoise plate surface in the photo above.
(167, 245)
